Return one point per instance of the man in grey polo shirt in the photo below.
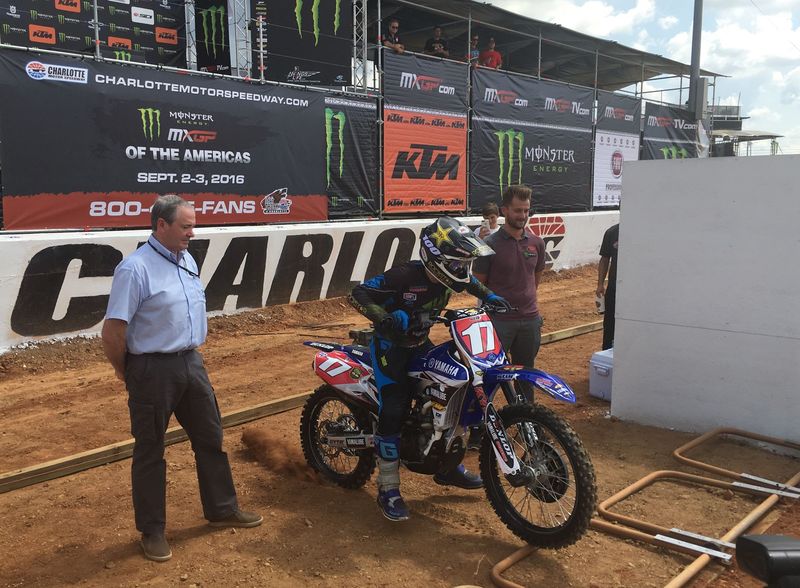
(155, 321)
(514, 273)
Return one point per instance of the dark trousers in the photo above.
(608, 319)
(158, 386)
(521, 339)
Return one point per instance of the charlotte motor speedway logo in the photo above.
(277, 202)
(552, 230)
(298, 16)
(37, 70)
(212, 21)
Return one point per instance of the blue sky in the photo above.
(756, 42)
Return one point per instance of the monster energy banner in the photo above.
(424, 82)
(527, 131)
(88, 144)
(149, 31)
(211, 32)
(304, 42)
(350, 150)
(669, 133)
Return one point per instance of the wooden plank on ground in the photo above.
(124, 449)
(571, 332)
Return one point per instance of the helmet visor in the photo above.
(458, 267)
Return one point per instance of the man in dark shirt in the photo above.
(400, 303)
(608, 265)
(390, 39)
(514, 273)
(437, 45)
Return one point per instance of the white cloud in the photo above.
(762, 113)
(667, 22)
(593, 17)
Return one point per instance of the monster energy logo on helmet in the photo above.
(340, 116)
(506, 142)
(151, 121)
(298, 15)
(212, 14)
(674, 152)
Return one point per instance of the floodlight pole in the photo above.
(694, 80)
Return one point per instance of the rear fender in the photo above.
(552, 385)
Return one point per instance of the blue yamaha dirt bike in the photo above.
(537, 475)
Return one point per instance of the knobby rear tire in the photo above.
(346, 468)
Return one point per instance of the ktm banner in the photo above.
(148, 31)
(87, 144)
(424, 159)
(669, 133)
(303, 42)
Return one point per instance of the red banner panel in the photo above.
(424, 161)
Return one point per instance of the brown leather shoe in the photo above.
(239, 518)
(155, 547)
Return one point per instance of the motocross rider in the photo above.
(400, 303)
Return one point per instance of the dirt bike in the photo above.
(537, 475)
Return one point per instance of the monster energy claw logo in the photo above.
(6, 28)
(151, 120)
(123, 56)
(62, 37)
(60, 19)
(112, 10)
(340, 116)
(212, 14)
(34, 14)
(673, 152)
(298, 15)
(506, 141)
(88, 40)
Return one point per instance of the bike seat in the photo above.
(360, 352)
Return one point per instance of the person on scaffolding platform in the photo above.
(400, 304)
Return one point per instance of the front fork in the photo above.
(515, 473)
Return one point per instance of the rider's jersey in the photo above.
(406, 287)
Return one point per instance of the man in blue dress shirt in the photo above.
(155, 322)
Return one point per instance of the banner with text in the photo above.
(211, 33)
(89, 144)
(424, 134)
(532, 132)
(616, 141)
(148, 31)
(669, 133)
(304, 42)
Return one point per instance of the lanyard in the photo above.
(186, 269)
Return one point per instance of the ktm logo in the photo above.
(433, 161)
(119, 43)
(68, 5)
(167, 36)
(39, 34)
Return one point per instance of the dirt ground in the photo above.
(58, 399)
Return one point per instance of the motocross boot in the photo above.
(389, 499)
(459, 477)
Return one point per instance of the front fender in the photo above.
(553, 385)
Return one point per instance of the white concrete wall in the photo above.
(708, 299)
(56, 285)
